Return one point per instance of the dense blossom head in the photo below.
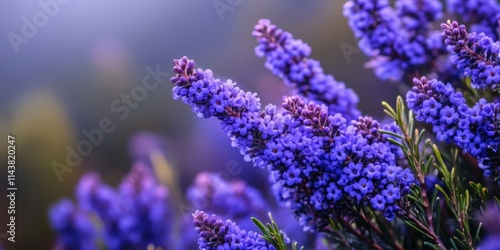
(73, 227)
(209, 97)
(328, 162)
(135, 215)
(399, 41)
(375, 23)
(147, 209)
(323, 165)
(484, 14)
(474, 129)
(94, 195)
(477, 55)
(217, 234)
(418, 14)
(289, 59)
(234, 199)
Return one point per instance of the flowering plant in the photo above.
(353, 181)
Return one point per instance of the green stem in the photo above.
(392, 238)
(359, 235)
(428, 230)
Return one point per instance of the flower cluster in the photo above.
(474, 129)
(399, 40)
(209, 97)
(374, 23)
(485, 14)
(342, 162)
(216, 234)
(133, 216)
(418, 15)
(340, 173)
(323, 164)
(235, 199)
(74, 229)
(477, 55)
(289, 59)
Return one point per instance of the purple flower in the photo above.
(489, 217)
(353, 170)
(289, 59)
(216, 234)
(391, 194)
(490, 243)
(483, 13)
(475, 54)
(378, 202)
(474, 129)
(73, 227)
(134, 216)
(399, 41)
(365, 186)
(372, 171)
(305, 148)
(147, 210)
(234, 199)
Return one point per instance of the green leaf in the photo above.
(416, 228)
(272, 234)
(259, 224)
(476, 237)
(438, 187)
(391, 140)
(437, 203)
(391, 134)
(429, 244)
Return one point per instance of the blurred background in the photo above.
(68, 66)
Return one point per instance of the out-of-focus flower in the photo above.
(73, 227)
(134, 216)
(234, 199)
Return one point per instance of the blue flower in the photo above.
(448, 115)
(372, 171)
(391, 173)
(474, 129)
(378, 202)
(134, 215)
(316, 159)
(73, 227)
(391, 194)
(216, 234)
(484, 13)
(289, 59)
(475, 54)
(364, 186)
(234, 199)
(292, 176)
(353, 170)
(399, 41)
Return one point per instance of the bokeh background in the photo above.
(87, 54)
